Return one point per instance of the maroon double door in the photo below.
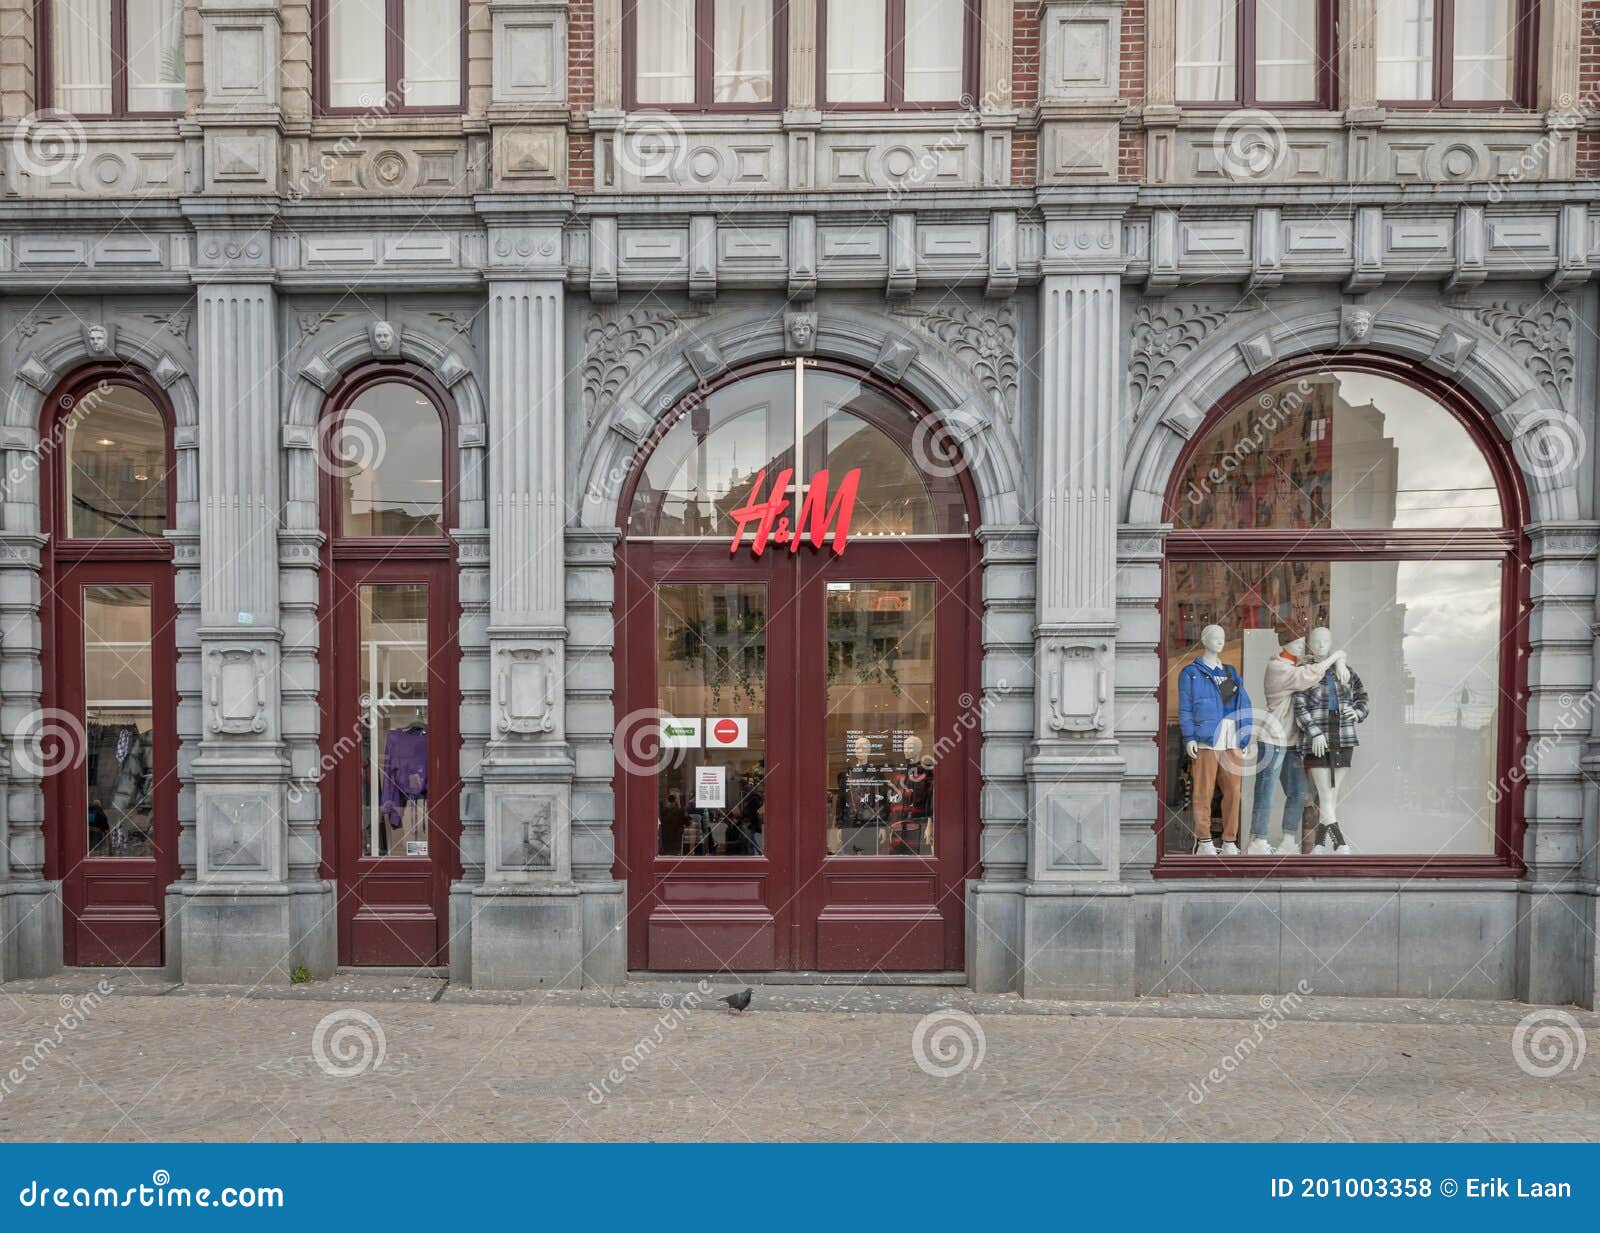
(828, 702)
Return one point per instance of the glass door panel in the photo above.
(880, 699)
(393, 719)
(118, 721)
(711, 691)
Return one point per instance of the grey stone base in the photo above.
(234, 935)
(1554, 945)
(30, 929)
(545, 936)
(1077, 941)
(994, 936)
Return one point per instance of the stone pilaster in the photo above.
(526, 919)
(1077, 934)
(240, 918)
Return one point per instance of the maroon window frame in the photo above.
(1507, 544)
(1524, 64)
(44, 66)
(704, 61)
(131, 888)
(376, 925)
(1244, 52)
(394, 44)
(895, 69)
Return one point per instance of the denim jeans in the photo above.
(1280, 763)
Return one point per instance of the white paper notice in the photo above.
(710, 787)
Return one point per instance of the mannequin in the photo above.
(1278, 747)
(1327, 714)
(913, 804)
(1214, 717)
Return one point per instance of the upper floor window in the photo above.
(116, 479)
(1455, 53)
(895, 53)
(702, 55)
(1248, 53)
(108, 58)
(387, 448)
(391, 55)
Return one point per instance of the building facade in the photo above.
(555, 488)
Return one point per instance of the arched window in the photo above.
(390, 663)
(108, 618)
(1351, 510)
(116, 477)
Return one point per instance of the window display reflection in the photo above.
(1332, 707)
(711, 691)
(117, 483)
(387, 446)
(880, 719)
(1341, 450)
(118, 720)
(393, 675)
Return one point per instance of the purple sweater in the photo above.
(405, 772)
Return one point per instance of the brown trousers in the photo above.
(1210, 766)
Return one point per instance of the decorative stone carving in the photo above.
(615, 348)
(800, 333)
(894, 358)
(167, 371)
(705, 357)
(526, 835)
(30, 325)
(982, 340)
(238, 833)
(385, 336)
(526, 682)
(310, 323)
(1452, 349)
(236, 690)
(100, 339)
(1077, 686)
(1539, 335)
(1355, 323)
(1162, 336)
(1075, 833)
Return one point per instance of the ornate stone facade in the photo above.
(1070, 271)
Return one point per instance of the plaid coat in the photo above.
(1311, 713)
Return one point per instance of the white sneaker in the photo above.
(1319, 850)
(1230, 849)
(1289, 847)
(1344, 849)
(1205, 848)
(1259, 847)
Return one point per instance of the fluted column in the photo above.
(1075, 770)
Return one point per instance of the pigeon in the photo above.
(738, 1003)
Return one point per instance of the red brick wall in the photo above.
(1589, 87)
(1024, 89)
(580, 91)
(1130, 155)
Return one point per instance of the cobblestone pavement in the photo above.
(153, 1062)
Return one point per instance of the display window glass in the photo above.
(1340, 630)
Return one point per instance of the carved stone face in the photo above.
(1213, 638)
(383, 337)
(1321, 642)
(99, 340)
(1358, 322)
(801, 330)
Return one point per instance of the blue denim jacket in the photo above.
(1200, 707)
